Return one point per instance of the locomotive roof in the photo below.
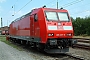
(32, 11)
(22, 17)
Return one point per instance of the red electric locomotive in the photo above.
(46, 29)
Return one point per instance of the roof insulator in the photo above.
(44, 6)
(61, 8)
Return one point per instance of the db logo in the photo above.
(60, 27)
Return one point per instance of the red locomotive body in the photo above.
(48, 29)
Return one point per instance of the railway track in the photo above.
(67, 56)
(77, 57)
(82, 46)
(83, 43)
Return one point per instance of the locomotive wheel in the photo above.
(40, 47)
(23, 42)
(27, 43)
(14, 40)
(10, 39)
(18, 41)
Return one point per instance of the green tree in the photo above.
(81, 25)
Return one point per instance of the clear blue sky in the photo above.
(76, 8)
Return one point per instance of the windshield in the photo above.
(62, 16)
(51, 16)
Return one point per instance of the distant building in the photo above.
(4, 29)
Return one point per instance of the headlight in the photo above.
(69, 34)
(50, 34)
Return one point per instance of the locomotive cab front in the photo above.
(59, 30)
(59, 24)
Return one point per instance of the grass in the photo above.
(3, 39)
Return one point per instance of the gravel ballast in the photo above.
(7, 52)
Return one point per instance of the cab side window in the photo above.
(35, 17)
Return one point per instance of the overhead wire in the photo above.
(66, 5)
(20, 9)
(81, 12)
(79, 6)
(11, 7)
(23, 6)
(71, 3)
(9, 10)
(57, 1)
(74, 2)
(86, 13)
